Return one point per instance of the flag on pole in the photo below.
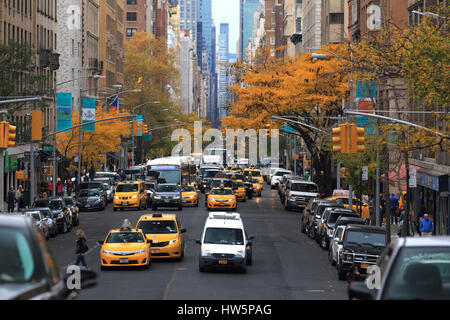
(115, 104)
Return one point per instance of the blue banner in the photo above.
(366, 89)
(89, 114)
(63, 111)
(140, 121)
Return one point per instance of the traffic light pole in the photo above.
(2, 177)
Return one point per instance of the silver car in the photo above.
(410, 268)
(40, 221)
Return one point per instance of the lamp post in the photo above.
(94, 76)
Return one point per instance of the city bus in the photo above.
(178, 170)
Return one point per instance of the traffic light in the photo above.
(7, 135)
(145, 129)
(343, 172)
(135, 128)
(341, 138)
(357, 139)
(36, 125)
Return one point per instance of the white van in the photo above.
(224, 243)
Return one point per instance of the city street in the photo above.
(286, 264)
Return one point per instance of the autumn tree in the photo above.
(303, 89)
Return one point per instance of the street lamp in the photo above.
(92, 76)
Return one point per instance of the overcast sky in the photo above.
(227, 11)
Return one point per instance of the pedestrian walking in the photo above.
(59, 188)
(420, 216)
(81, 249)
(426, 226)
(20, 198)
(69, 186)
(11, 199)
(393, 200)
(383, 208)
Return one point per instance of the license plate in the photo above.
(166, 201)
(87, 206)
(124, 203)
(223, 262)
(123, 260)
(155, 250)
(365, 266)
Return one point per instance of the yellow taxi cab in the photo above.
(222, 198)
(125, 247)
(189, 196)
(239, 190)
(130, 195)
(254, 173)
(355, 205)
(166, 234)
(235, 170)
(257, 186)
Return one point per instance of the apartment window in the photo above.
(131, 32)
(131, 2)
(131, 16)
(272, 41)
(336, 18)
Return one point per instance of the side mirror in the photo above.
(251, 238)
(149, 241)
(358, 290)
(101, 242)
(183, 230)
(340, 242)
(198, 241)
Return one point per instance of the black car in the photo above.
(167, 195)
(207, 176)
(71, 204)
(307, 213)
(344, 220)
(361, 247)
(90, 199)
(329, 219)
(61, 213)
(95, 185)
(27, 268)
(313, 222)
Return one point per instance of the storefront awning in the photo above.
(398, 173)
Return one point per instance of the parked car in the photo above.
(167, 195)
(48, 216)
(39, 220)
(307, 212)
(90, 199)
(411, 268)
(326, 224)
(361, 247)
(313, 222)
(335, 245)
(71, 204)
(28, 269)
(61, 213)
(298, 193)
(277, 176)
(270, 173)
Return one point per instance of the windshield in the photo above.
(189, 189)
(254, 180)
(132, 187)
(304, 187)
(218, 183)
(168, 188)
(150, 185)
(55, 205)
(17, 263)
(223, 236)
(42, 204)
(36, 216)
(281, 173)
(210, 173)
(170, 176)
(321, 209)
(420, 273)
(89, 193)
(107, 181)
(238, 185)
(46, 213)
(125, 237)
(236, 176)
(68, 201)
(158, 226)
(335, 215)
(91, 185)
(222, 192)
(366, 237)
(253, 173)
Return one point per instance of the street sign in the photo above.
(57, 159)
(413, 178)
(47, 148)
(288, 128)
(365, 173)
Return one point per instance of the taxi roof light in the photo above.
(224, 215)
(157, 215)
(126, 225)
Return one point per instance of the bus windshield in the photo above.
(166, 174)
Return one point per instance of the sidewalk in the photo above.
(394, 231)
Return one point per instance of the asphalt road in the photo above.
(286, 263)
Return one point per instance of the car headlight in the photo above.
(107, 252)
(176, 197)
(173, 241)
(140, 251)
(116, 197)
(157, 197)
(206, 253)
(291, 198)
(348, 256)
(134, 197)
(61, 215)
(240, 254)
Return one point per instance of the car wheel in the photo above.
(323, 243)
(243, 269)
(121, 209)
(180, 208)
(154, 208)
(201, 269)
(330, 257)
(103, 268)
(115, 209)
(249, 260)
